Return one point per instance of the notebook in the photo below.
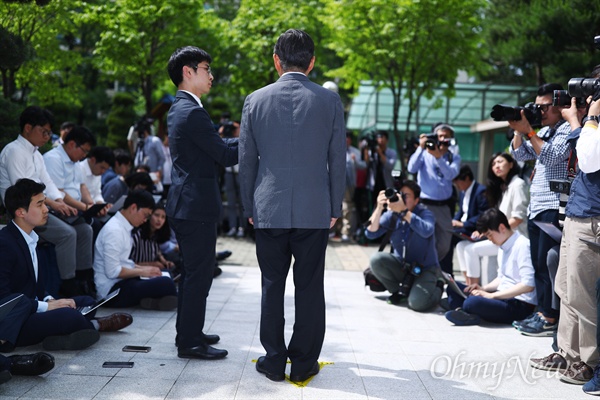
(88, 309)
(8, 306)
(452, 284)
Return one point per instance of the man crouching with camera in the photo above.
(411, 270)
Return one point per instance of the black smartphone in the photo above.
(137, 349)
(117, 364)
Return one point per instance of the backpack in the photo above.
(372, 282)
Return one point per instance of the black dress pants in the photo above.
(274, 249)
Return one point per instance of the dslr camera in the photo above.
(433, 142)
(412, 270)
(561, 98)
(533, 114)
(584, 87)
(560, 186)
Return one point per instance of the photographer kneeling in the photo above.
(411, 271)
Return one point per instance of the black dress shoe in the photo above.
(221, 255)
(202, 352)
(302, 377)
(211, 339)
(31, 364)
(5, 376)
(272, 376)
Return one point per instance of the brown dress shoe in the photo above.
(114, 322)
(578, 373)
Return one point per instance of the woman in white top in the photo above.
(507, 192)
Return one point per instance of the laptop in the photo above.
(88, 309)
(117, 205)
(462, 236)
(8, 306)
(452, 284)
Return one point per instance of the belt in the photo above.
(430, 202)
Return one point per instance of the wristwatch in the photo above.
(593, 118)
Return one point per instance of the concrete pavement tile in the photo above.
(69, 387)
(169, 368)
(142, 388)
(202, 389)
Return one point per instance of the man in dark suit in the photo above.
(292, 177)
(194, 200)
(472, 202)
(54, 322)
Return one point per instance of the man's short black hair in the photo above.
(465, 172)
(141, 198)
(295, 49)
(139, 178)
(80, 135)
(102, 154)
(122, 156)
(491, 220)
(414, 186)
(188, 55)
(19, 195)
(67, 125)
(549, 88)
(35, 116)
(382, 133)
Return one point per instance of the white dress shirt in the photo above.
(64, 172)
(93, 182)
(113, 247)
(20, 159)
(588, 149)
(514, 260)
(466, 201)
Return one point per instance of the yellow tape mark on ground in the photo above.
(304, 383)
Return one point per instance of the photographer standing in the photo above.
(436, 167)
(413, 264)
(550, 150)
(380, 162)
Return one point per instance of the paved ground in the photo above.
(372, 350)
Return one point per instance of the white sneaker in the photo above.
(231, 232)
(240, 232)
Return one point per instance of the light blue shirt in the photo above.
(435, 175)
(514, 260)
(64, 172)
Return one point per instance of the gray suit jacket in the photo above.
(292, 155)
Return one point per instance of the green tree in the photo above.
(140, 35)
(538, 41)
(119, 120)
(418, 44)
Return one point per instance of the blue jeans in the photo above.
(499, 311)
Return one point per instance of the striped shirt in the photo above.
(143, 250)
(550, 164)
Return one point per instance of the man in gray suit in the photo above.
(194, 199)
(292, 178)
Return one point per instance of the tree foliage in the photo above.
(540, 41)
(419, 44)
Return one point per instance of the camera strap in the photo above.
(552, 131)
(388, 234)
(572, 166)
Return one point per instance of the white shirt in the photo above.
(93, 182)
(514, 203)
(466, 201)
(20, 159)
(514, 260)
(113, 247)
(64, 172)
(588, 149)
(32, 239)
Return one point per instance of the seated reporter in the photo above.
(54, 322)
(114, 269)
(412, 270)
(509, 297)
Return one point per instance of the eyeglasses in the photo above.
(544, 107)
(207, 68)
(86, 152)
(45, 132)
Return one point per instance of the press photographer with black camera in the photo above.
(436, 166)
(411, 270)
(380, 161)
(549, 148)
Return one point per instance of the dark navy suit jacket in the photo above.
(477, 205)
(16, 267)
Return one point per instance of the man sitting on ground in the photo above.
(55, 322)
(414, 257)
(113, 269)
(511, 296)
